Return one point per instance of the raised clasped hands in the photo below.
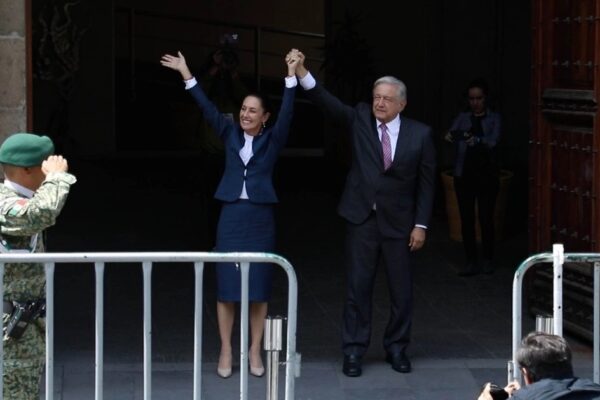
(298, 56)
(292, 59)
(176, 63)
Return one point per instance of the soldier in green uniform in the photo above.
(35, 188)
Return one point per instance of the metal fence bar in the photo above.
(147, 259)
(597, 322)
(558, 256)
(2, 341)
(198, 310)
(147, 269)
(49, 267)
(292, 360)
(245, 271)
(99, 379)
(517, 308)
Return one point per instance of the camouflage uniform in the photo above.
(20, 219)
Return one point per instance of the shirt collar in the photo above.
(393, 127)
(23, 191)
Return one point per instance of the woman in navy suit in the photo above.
(246, 189)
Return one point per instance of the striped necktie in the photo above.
(387, 147)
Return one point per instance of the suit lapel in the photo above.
(403, 141)
(375, 139)
(259, 141)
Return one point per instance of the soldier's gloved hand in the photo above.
(55, 164)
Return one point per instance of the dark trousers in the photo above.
(365, 245)
(482, 189)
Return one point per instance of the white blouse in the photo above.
(246, 154)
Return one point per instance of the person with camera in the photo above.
(545, 361)
(475, 134)
(35, 189)
(246, 222)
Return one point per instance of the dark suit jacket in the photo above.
(265, 147)
(404, 193)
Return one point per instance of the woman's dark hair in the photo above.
(478, 83)
(545, 356)
(263, 99)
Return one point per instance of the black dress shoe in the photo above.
(399, 362)
(352, 365)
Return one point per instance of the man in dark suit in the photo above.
(387, 204)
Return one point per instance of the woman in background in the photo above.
(475, 134)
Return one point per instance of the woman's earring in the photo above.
(264, 125)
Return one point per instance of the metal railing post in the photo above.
(2, 341)
(544, 323)
(49, 268)
(245, 276)
(273, 344)
(517, 309)
(99, 380)
(597, 322)
(199, 277)
(558, 256)
(147, 270)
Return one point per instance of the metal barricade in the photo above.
(292, 359)
(557, 258)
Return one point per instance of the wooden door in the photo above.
(564, 166)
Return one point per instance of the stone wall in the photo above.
(13, 90)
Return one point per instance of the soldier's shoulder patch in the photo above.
(17, 207)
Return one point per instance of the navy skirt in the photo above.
(245, 226)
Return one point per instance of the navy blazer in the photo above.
(404, 192)
(265, 147)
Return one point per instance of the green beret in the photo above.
(26, 150)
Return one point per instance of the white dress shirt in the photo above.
(246, 154)
(393, 128)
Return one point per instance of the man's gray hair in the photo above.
(392, 80)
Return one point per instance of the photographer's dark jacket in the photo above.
(490, 124)
(554, 389)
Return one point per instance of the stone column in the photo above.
(13, 62)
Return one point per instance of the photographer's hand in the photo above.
(485, 394)
(472, 141)
(512, 387)
(448, 137)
